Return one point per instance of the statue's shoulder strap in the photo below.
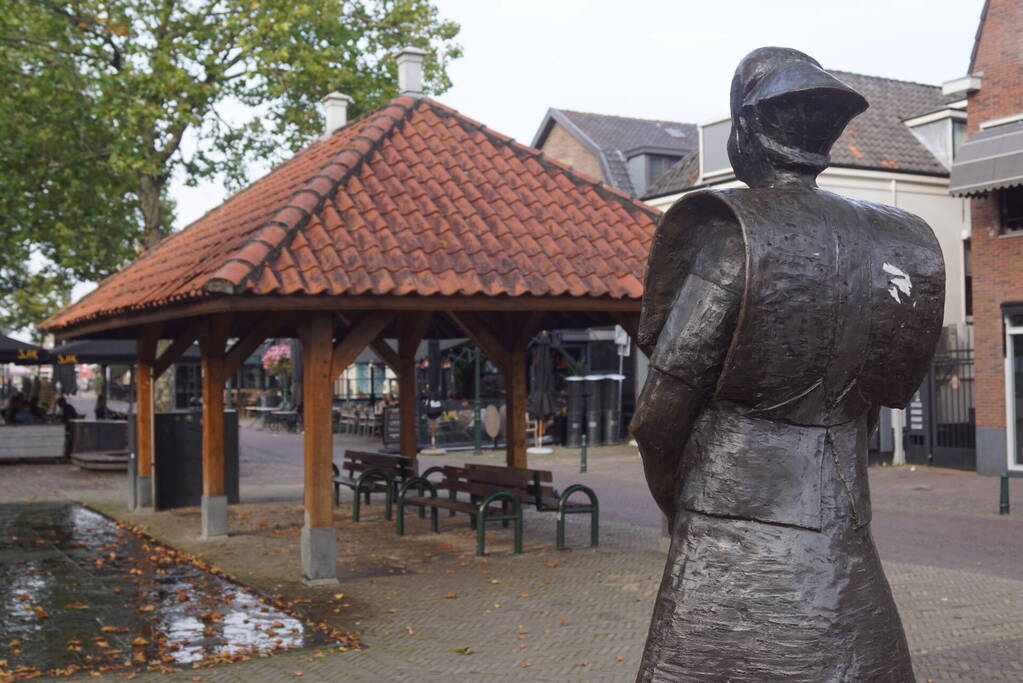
(682, 231)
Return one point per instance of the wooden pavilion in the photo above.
(410, 222)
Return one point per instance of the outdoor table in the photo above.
(261, 413)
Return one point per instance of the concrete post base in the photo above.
(143, 492)
(319, 556)
(214, 517)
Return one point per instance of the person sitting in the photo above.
(9, 410)
(67, 411)
(102, 413)
(22, 412)
(38, 411)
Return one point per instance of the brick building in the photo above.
(989, 169)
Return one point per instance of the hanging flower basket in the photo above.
(277, 360)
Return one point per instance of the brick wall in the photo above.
(997, 259)
(999, 57)
(562, 146)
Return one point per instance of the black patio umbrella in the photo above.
(541, 379)
(22, 353)
(109, 352)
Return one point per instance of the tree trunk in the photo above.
(149, 202)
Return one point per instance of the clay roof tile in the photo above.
(412, 199)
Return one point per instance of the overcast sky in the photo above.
(669, 59)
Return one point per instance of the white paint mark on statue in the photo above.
(899, 283)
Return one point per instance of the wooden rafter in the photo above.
(173, 352)
(483, 336)
(358, 337)
(379, 345)
(245, 346)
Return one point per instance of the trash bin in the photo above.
(177, 458)
(576, 412)
(594, 411)
(610, 391)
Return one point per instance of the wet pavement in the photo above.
(79, 591)
(419, 602)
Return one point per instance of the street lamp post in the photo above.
(477, 424)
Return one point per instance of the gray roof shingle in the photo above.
(876, 139)
(616, 136)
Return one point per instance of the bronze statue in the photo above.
(784, 316)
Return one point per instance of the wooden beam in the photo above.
(148, 337)
(515, 410)
(523, 327)
(386, 353)
(213, 339)
(357, 338)
(379, 345)
(176, 349)
(411, 329)
(317, 355)
(483, 336)
(520, 328)
(351, 303)
(245, 346)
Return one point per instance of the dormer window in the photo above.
(714, 148)
(647, 165)
(941, 132)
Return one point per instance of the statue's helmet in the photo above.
(787, 112)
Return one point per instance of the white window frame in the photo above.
(1010, 395)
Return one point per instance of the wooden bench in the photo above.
(492, 496)
(541, 494)
(369, 473)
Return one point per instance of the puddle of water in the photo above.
(79, 592)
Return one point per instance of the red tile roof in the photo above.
(412, 199)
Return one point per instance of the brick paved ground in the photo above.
(956, 569)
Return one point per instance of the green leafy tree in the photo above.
(39, 294)
(104, 101)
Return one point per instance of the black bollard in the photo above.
(582, 455)
(1003, 501)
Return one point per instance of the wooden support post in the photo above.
(213, 340)
(519, 330)
(319, 549)
(515, 407)
(149, 335)
(411, 328)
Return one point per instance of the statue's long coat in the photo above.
(783, 318)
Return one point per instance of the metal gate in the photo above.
(940, 419)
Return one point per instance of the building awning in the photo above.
(991, 159)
